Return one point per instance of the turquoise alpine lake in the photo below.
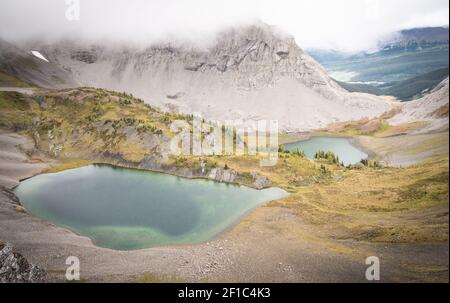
(127, 209)
(342, 147)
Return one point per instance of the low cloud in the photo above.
(345, 25)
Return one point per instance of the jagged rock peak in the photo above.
(259, 32)
(248, 72)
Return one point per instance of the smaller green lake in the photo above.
(128, 209)
(342, 147)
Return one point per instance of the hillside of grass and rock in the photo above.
(80, 126)
(86, 125)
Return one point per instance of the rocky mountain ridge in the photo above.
(255, 72)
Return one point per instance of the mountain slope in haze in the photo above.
(362, 88)
(410, 89)
(18, 65)
(254, 72)
(432, 107)
(417, 38)
(417, 87)
(401, 56)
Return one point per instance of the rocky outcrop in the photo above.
(14, 268)
(54, 148)
(260, 181)
(223, 175)
(84, 56)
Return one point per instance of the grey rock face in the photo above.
(55, 148)
(12, 198)
(261, 56)
(222, 175)
(84, 56)
(14, 268)
(260, 182)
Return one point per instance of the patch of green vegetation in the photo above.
(369, 163)
(13, 101)
(246, 177)
(15, 111)
(329, 156)
(427, 145)
(426, 191)
(284, 138)
(297, 152)
(87, 121)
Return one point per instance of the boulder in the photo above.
(14, 268)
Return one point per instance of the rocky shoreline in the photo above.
(217, 174)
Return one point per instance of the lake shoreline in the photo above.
(123, 236)
(352, 141)
(19, 227)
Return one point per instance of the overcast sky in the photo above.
(340, 24)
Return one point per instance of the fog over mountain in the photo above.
(250, 72)
(314, 24)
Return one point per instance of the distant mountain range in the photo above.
(417, 38)
(401, 56)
